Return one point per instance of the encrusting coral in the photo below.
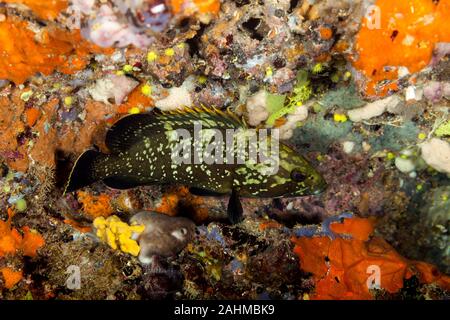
(10, 277)
(341, 267)
(45, 9)
(398, 35)
(12, 241)
(178, 199)
(95, 206)
(42, 51)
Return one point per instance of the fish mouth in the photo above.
(318, 192)
(322, 187)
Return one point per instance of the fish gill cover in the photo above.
(328, 122)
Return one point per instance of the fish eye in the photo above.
(297, 176)
(180, 234)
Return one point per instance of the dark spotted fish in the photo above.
(143, 146)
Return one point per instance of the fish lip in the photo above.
(318, 192)
(321, 189)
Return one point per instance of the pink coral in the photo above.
(106, 30)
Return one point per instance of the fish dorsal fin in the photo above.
(210, 117)
(132, 128)
(127, 130)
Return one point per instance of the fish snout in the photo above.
(320, 190)
(319, 185)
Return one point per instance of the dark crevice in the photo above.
(256, 27)
(194, 43)
(184, 25)
(240, 3)
(293, 5)
(252, 24)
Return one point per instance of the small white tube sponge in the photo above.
(373, 109)
(112, 87)
(178, 97)
(287, 129)
(436, 153)
(257, 108)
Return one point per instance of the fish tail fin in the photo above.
(83, 172)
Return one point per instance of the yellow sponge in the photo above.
(118, 234)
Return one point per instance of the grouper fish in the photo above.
(168, 148)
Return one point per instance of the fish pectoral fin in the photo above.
(121, 183)
(204, 192)
(234, 209)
